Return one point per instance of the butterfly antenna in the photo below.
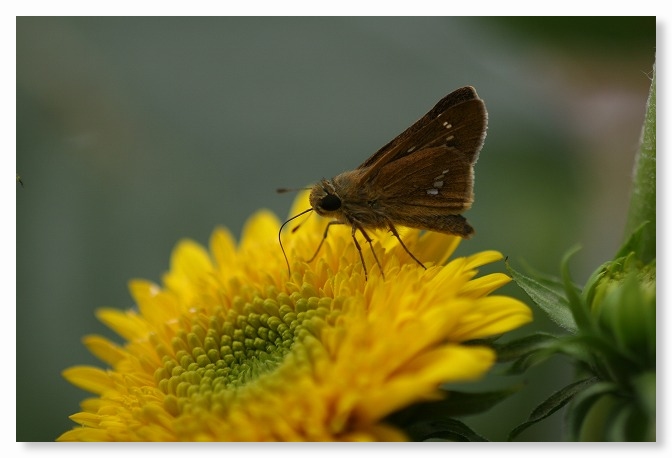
(284, 190)
(280, 238)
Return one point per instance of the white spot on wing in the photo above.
(438, 184)
(410, 150)
(432, 192)
(440, 178)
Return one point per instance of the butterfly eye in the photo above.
(330, 203)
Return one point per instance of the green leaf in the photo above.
(522, 364)
(583, 403)
(588, 293)
(456, 404)
(551, 405)
(526, 352)
(460, 403)
(518, 348)
(644, 387)
(636, 241)
(638, 427)
(448, 429)
(603, 413)
(576, 304)
(621, 427)
(549, 297)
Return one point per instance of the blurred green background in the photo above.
(135, 132)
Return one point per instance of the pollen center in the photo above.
(217, 354)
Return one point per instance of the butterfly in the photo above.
(423, 178)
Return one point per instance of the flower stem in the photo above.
(643, 198)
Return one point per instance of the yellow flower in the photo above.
(231, 348)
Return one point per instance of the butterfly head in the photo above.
(324, 200)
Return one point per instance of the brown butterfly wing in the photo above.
(425, 177)
(426, 130)
(438, 169)
(440, 178)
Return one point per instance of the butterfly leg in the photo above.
(370, 242)
(396, 234)
(324, 237)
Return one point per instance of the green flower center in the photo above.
(233, 349)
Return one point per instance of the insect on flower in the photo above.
(423, 178)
